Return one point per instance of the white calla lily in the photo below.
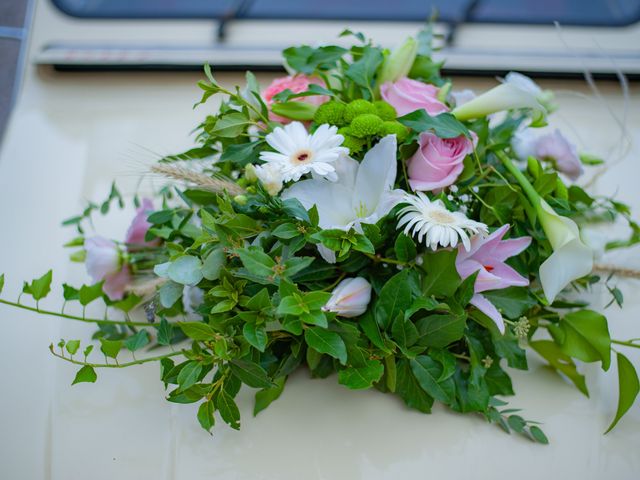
(514, 93)
(572, 258)
(363, 192)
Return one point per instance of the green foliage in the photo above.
(85, 374)
(629, 387)
(443, 125)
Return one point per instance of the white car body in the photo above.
(71, 134)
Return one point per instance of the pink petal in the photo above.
(489, 309)
(115, 283)
(513, 246)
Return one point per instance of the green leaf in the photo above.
(325, 341)
(440, 331)
(137, 341)
(89, 293)
(444, 125)
(405, 248)
(110, 348)
(552, 353)
(394, 298)
(513, 302)
(189, 375)
(230, 125)
(40, 287)
(72, 346)
(169, 293)
(85, 374)
(292, 305)
(408, 388)
(197, 330)
(250, 373)
(228, 409)
(1, 282)
(69, 293)
(165, 332)
(362, 377)
(305, 59)
(427, 371)
(301, 111)
(372, 330)
(213, 264)
(256, 261)
(205, 415)
(363, 71)
(424, 303)
(256, 335)
(186, 270)
(404, 332)
(628, 388)
(266, 396)
(296, 264)
(240, 154)
(586, 337)
(442, 277)
(286, 231)
(538, 435)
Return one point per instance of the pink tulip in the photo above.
(486, 256)
(297, 84)
(140, 226)
(438, 161)
(408, 95)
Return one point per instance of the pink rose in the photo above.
(139, 227)
(556, 148)
(438, 161)
(408, 95)
(297, 84)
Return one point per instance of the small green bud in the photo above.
(366, 125)
(385, 111)
(240, 199)
(331, 112)
(242, 182)
(398, 63)
(344, 131)
(390, 128)
(263, 209)
(358, 107)
(251, 189)
(295, 110)
(250, 173)
(443, 92)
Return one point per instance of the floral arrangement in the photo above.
(358, 217)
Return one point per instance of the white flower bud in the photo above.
(350, 298)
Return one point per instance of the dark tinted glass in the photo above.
(567, 12)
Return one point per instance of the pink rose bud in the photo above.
(350, 298)
(297, 84)
(438, 161)
(103, 262)
(556, 148)
(408, 95)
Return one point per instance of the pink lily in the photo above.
(486, 256)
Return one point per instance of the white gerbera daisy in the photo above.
(437, 225)
(298, 153)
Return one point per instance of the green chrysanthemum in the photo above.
(331, 113)
(385, 111)
(390, 128)
(358, 107)
(354, 144)
(365, 125)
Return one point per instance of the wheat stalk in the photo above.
(202, 181)
(619, 271)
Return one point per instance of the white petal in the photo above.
(377, 173)
(570, 262)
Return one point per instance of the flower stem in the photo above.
(114, 365)
(628, 343)
(73, 317)
(379, 259)
(534, 197)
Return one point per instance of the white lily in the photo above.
(363, 192)
(350, 298)
(571, 258)
(517, 91)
